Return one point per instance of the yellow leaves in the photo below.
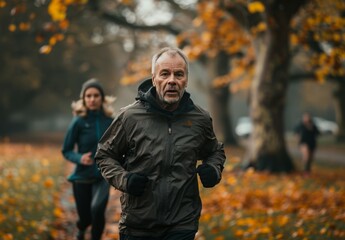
(283, 220)
(261, 206)
(328, 64)
(261, 27)
(8, 236)
(231, 180)
(2, 4)
(27, 185)
(36, 178)
(256, 7)
(58, 212)
(64, 24)
(24, 26)
(214, 31)
(294, 39)
(207, 37)
(137, 70)
(48, 183)
(57, 10)
(12, 27)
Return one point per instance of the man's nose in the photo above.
(172, 79)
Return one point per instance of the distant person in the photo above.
(307, 133)
(92, 116)
(150, 153)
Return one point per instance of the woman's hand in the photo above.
(86, 159)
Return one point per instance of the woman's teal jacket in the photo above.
(82, 136)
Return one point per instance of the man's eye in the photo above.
(179, 74)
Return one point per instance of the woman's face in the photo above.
(93, 99)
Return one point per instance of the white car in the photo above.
(244, 127)
(325, 126)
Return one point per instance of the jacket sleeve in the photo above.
(110, 155)
(70, 141)
(212, 152)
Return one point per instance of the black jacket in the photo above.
(164, 146)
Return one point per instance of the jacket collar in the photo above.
(147, 94)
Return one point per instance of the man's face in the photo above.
(170, 79)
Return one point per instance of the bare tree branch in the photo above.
(123, 22)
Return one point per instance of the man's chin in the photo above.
(171, 101)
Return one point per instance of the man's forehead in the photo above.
(171, 61)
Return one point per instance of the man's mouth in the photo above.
(170, 91)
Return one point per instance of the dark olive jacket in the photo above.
(164, 146)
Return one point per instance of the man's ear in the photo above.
(153, 81)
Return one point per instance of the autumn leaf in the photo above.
(12, 27)
(2, 4)
(256, 7)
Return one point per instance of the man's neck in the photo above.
(167, 106)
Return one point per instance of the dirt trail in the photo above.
(66, 224)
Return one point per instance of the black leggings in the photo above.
(179, 235)
(91, 200)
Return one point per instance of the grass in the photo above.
(30, 176)
(251, 205)
(245, 205)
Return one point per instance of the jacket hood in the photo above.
(147, 94)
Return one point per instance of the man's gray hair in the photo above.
(171, 51)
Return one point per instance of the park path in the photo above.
(65, 228)
(322, 155)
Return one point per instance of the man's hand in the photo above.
(208, 175)
(136, 184)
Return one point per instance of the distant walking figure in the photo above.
(92, 116)
(307, 132)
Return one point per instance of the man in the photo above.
(307, 132)
(150, 153)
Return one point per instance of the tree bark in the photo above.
(340, 109)
(219, 101)
(267, 97)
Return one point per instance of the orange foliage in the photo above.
(215, 31)
(255, 7)
(137, 70)
(252, 205)
(323, 23)
(29, 177)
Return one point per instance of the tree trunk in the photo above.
(267, 99)
(340, 109)
(219, 101)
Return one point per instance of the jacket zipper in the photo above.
(98, 130)
(166, 170)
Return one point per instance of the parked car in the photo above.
(325, 126)
(244, 126)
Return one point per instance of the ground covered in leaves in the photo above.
(36, 200)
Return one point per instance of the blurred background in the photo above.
(256, 65)
(291, 53)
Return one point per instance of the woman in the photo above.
(92, 116)
(307, 132)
